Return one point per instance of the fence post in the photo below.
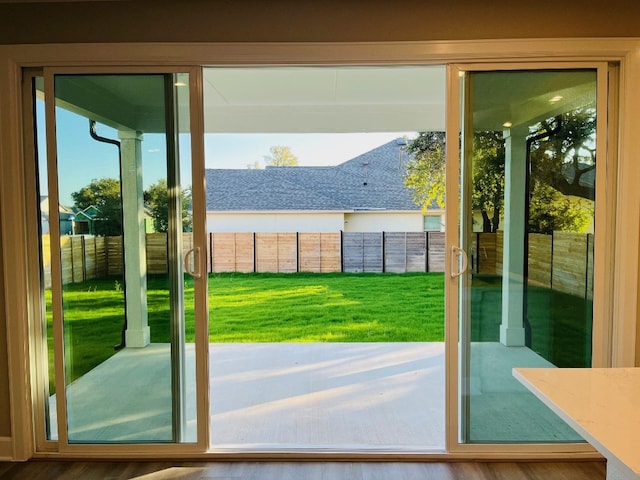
(426, 252)
(551, 266)
(405, 252)
(298, 250)
(586, 269)
(384, 253)
(478, 250)
(210, 252)
(341, 252)
(83, 247)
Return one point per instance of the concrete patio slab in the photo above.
(319, 396)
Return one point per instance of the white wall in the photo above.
(239, 222)
(275, 222)
(383, 222)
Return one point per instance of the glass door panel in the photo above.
(326, 317)
(118, 283)
(527, 222)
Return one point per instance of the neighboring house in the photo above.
(74, 221)
(85, 220)
(364, 194)
(66, 214)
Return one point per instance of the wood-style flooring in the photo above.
(45, 470)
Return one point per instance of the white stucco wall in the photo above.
(366, 221)
(383, 222)
(240, 222)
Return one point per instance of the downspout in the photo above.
(95, 136)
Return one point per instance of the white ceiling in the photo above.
(527, 97)
(324, 99)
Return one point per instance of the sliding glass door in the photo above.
(124, 260)
(124, 274)
(522, 265)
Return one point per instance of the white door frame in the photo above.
(604, 238)
(202, 337)
(14, 190)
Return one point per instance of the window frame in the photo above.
(14, 189)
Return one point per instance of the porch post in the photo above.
(135, 261)
(512, 332)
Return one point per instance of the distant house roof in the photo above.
(86, 214)
(63, 210)
(371, 181)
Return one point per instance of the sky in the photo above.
(82, 159)
(319, 149)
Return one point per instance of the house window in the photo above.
(433, 223)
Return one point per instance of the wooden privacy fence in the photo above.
(561, 261)
(83, 257)
(396, 252)
(87, 257)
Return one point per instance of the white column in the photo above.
(138, 333)
(512, 331)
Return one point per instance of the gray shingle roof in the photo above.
(373, 180)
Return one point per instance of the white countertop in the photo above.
(601, 404)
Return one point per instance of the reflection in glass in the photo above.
(532, 164)
(118, 184)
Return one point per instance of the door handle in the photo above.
(456, 254)
(195, 273)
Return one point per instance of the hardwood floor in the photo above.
(41, 470)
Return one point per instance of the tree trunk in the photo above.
(495, 223)
(486, 222)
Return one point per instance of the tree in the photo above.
(550, 210)
(281, 156)
(566, 159)
(488, 178)
(156, 198)
(104, 194)
(426, 169)
(562, 181)
(562, 168)
(426, 172)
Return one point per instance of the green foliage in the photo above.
(104, 194)
(281, 156)
(488, 178)
(156, 198)
(562, 173)
(426, 169)
(426, 173)
(551, 211)
(567, 159)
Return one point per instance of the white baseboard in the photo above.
(6, 449)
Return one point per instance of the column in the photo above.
(137, 334)
(512, 332)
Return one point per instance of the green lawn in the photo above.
(328, 307)
(263, 307)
